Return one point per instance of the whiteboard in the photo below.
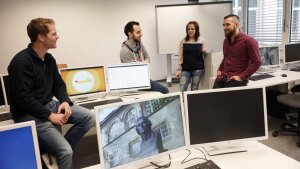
(171, 21)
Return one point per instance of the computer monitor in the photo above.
(19, 146)
(2, 90)
(269, 55)
(222, 119)
(139, 132)
(292, 51)
(129, 76)
(6, 86)
(84, 80)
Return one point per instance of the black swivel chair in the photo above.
(293, 102)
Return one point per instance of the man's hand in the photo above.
(219, 73)
(57, 119)
(67, 110)
(236, 78)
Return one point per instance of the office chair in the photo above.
(292, 101)
(62, 65)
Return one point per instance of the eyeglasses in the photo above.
(162, 166)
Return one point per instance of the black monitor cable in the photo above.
(162, 166)
(185, 161)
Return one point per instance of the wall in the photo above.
(210, 23)
(91, 31)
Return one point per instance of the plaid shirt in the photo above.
(241, 57)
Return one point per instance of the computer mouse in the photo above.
(283, 75)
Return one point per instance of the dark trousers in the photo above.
(223, 83)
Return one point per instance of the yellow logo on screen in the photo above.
(83, 81)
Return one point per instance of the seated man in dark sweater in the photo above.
(34, 81)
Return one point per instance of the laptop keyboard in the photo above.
(261, 76)
(91, 105)
(206, 165)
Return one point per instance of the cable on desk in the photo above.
(162, 166)
(183, 161)
(103, 97)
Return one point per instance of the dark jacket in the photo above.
(33, 83)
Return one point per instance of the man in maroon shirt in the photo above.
(241, 56)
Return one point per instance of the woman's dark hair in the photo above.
(197, 30)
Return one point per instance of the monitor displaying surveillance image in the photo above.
(142, 130)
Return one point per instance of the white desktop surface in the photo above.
(278, 79)
(258, 156)
(122, 95)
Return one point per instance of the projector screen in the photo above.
(171, 21)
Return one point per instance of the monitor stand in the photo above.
(227, 148)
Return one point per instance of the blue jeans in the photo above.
(190, 76)
(51, 139)
(155, 86)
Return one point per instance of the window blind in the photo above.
(295, 22)
(265, 20)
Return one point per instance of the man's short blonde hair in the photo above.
(38, 26)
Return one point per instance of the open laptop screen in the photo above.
(84, 80)
(143, 130)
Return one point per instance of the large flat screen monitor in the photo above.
(269, 55)
(130, 76)
(84, 80)
(2, 90)
(292, 52)
(133, 134)
(19, 146)
(224, 118)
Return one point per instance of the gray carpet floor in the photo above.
(86, 153)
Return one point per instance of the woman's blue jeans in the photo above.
(192, 77)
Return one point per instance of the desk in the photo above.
(278, 79)
(258, 156)
(123, 95)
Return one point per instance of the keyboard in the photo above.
(206, 165)
(5, 116)
(260, 76)
(297, 69)
(91, 105)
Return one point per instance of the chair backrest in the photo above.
(62, 65)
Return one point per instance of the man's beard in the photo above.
(229, 34)
(137, 40)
